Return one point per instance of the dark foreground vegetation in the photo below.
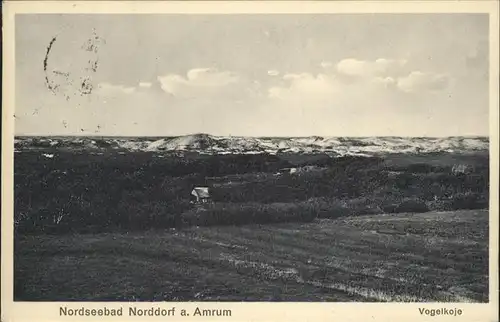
(427, 257)
(120, 227)
(90, 192)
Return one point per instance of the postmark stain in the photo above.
(50, 85)
(78, 81)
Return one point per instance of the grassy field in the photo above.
(391, 257)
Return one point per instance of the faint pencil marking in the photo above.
(85, 86)
(49, 84)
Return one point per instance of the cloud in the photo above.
(363, 68)
(273, 72)
(145, 84)
(355, 84)
(387, 64)
(326, 64)
(418, 81)
(368, 77)
(352, 67)
(198, 81)
(384, 81)
(392, 73)
(304, 86)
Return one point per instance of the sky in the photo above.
(252, 75)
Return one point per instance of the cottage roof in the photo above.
(201, 192)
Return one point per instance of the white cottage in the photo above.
(287, 171)
(462, 169)
(201, 194)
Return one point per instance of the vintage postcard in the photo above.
(250, 161)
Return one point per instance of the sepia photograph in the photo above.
(251, 157)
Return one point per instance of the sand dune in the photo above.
(204, 143)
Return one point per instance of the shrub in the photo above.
(330, 208)
(389, 207)
(335, 208)
(411, 205)
(249, 213)
(420, 168)
(468, 200)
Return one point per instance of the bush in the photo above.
(249, 213)
(335, 208)
(330, 208)
(389, 208)
(420, 168)
(468, 201)
(411, 205)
